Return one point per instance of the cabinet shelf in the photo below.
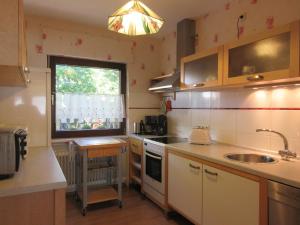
(100, 195)
(102, 166)
(137, 179)
(136, 165)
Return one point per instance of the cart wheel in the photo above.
(83, 211)
(143, 196)
(167, 214)
(120, 204)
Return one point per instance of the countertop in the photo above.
(287, 172)
(101, 142)
(40, 171)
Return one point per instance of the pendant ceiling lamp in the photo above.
(135, 18)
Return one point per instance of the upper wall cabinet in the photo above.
(269, 56)
(203, 69)
(13, 56)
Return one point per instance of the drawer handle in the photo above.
(194, 167)
(255, 78)
(198, 85)
(210, 173)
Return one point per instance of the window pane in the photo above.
(87, 80)
(88, 98)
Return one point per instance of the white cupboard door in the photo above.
(229, 199)
(185, 187)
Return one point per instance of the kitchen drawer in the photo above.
(136, 146)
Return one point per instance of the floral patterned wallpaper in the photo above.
(220, 26)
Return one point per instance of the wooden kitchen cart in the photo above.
(88, 150)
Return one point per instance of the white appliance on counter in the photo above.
(154, 167)
(200, 135)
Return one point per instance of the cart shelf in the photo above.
(100, 195)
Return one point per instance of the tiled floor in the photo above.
(135, 211)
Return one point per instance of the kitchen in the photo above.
(158, 177)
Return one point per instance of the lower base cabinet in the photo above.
(229, 199)
(38, 208)
(209, 195)
(185, 187)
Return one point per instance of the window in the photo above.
(88, 97)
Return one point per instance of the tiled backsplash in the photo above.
(234, 115)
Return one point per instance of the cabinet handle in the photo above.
(198, 85)
(26, 72)
(194, 167)
(210, 173)
(255, 78)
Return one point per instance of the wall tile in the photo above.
(250, 120)
(223, 125)
(248, 98)
(183, 100)
(257, 141)
(285, 98)
(179, 122)
(286, 122)
(200, 117)
(224, 99)
(201, 99)
(276, 144)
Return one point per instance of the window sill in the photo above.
(64, 140)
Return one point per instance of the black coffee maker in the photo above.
(162, 125)
(156, 125)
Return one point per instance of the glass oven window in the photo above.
(154, 166)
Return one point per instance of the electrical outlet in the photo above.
(243, 17)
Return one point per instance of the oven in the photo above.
(154, 167)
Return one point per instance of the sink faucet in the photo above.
(285, 154)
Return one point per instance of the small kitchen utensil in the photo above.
(136, 127)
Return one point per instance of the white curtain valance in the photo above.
(88, 108)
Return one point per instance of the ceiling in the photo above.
(96, 12)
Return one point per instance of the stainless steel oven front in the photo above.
(154, 166)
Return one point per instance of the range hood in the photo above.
(171, 83)
(186, 33)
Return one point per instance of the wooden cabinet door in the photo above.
(135, 161)
(22, 37)
(9, 33)
(268, 56)
(185, 187)
(229, 199)
(203, 69)
(13, 51)
(136, 146)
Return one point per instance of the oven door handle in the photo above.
(153, 156)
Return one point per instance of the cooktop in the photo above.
(168, 140)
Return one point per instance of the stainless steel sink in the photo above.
(251, 158)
